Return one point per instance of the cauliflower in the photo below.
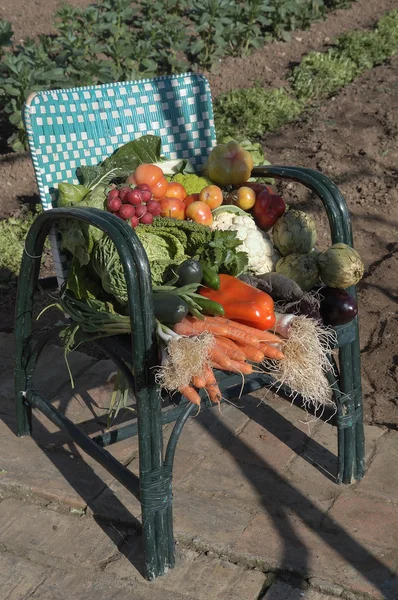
(192, 183)
(255, 243)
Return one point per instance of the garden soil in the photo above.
(352, 138)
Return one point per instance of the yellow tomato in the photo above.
(244, 197)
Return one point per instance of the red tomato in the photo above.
(191, 198)
(267, 209)
(200, 213)
(212, 196)
(176, 190)
(172, 207)
(149, 174)
(159, 190)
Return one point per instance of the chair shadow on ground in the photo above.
(279, 499)
(282, 502)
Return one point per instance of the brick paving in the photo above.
(257, 512)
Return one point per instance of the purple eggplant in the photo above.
(338, 307)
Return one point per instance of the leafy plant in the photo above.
(29, 70)
(6, 34)
(321, 74)
(250, 19)
(116, 40)
(210, 18)
(12, 239)
(252, 112)
(293, 14)
(364, 48)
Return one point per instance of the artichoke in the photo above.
(301, 268)
(340, 266)
(294, 233)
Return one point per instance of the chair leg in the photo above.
(351, 444)
(155, 488)
(24, 416)
(23, 347)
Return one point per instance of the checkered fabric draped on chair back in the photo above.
(83, 126)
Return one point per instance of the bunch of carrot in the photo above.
(234, 345)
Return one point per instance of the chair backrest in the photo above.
(83, 126)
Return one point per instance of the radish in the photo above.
(127, 211)
(134, 197)
(123, 193)
(113, 194)
(113, 204)
(147, 219)
(144, 187)
(141, 210)
(146, 195)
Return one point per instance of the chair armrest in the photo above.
(136, 270)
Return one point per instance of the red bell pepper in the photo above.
(267, 209)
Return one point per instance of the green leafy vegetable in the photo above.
(70, 194)
(167, 243)
(192, 235)
(122, 163)
(163, 250)
(79, 238)
(74, 241)
(81, 282)
(220, 253)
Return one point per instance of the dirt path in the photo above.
(33, 17)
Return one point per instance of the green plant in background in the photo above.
(6, 34)
(115, 40)
(162, 26)
(12, 240)
(252, 112)
(387, 28)
(250, 21)
(210, 18)
(322, 73)
(29, 70)
(293, 14)
(369, 48)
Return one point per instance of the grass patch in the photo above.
(321, 74)
(255, 111)
(252, 112)
(12, 240)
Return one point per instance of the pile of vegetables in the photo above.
(236, 277)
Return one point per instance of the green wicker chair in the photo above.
(84, 125)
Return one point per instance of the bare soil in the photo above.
(267, 67)
(352, 138)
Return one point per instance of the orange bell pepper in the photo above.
(243, 303)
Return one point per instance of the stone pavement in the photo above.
(257, 513)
